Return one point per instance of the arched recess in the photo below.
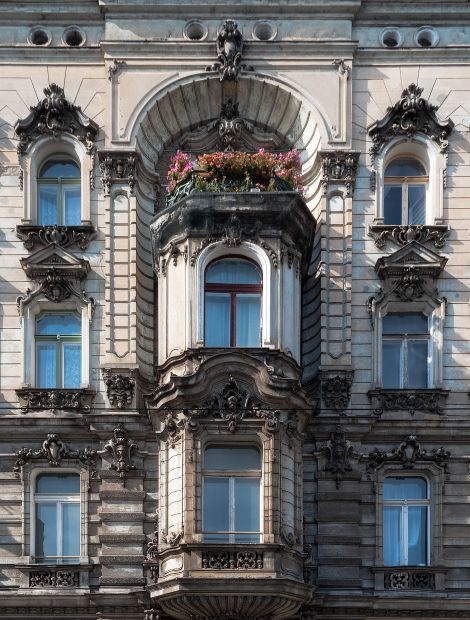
(285, 116)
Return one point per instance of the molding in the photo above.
(54, 259)
(229, 52)
(410, 115)
(402, 235)
(63, 236)
(55, 399)
(54, 451)
(120, 387)
(217, 559)
(336, 388)
(118, 166)
(411, 400)
(339, 168)
(408, 453)
(60, 577)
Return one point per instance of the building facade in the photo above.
(248, 404)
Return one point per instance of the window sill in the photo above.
(56, 576)
(402, 235)
(55, 399)
(409, 578)
(63, 236)
(429, 400)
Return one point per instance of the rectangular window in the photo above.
(58, 350)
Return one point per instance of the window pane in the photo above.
(391, 363)
(217, 320)
(63, 324)
(71, 528)
(216, 507)
(47, 211)
(58, 483)
(405, 168)
(405, 323)
(46, 365)
(233, 271)
(72, 359)
(71, 202)
(417, 366)
(46, 530)
(417, 535)
(392, 535)
(392, 204)
(228, 458)
(416, 204)
(247, 513)
(60, 169)
(248, 321)
(405, 488)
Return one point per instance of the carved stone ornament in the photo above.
(172, 539)
(63, 236)
(336, 389)
(152, 614)
(409, 453)
(55, 399)
(119, 387)
(54, 451)
(409, 579)
(230, 126)
(54, 578)
(118, 167)
(232, 560)
(121, 449)
(53, 116)
(402, 235)
(229, 52)
(338, 451)
(411, 400)
(410, 115)
(339, 167)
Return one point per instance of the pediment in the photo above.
(57, 259)
(414, 255)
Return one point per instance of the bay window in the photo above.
(58, 350)
(231, 494)
(233, 290)
(57, 518)
(405, 521)
(59, 195)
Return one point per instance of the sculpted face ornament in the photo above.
(122, 449)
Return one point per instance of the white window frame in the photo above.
(231, 475)
(436, 315)
(425, 151)
(404, 504)
(46, 148)
(405, 182)
(28, 325)
(29, 475)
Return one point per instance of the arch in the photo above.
(194, 101)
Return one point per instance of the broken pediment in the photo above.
(414, 256)
(53, 116)
(54, 258)
(411, 115)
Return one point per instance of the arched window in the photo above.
(58, 350)
(405, 521)
(233, 290)
(57, 518)
(59, 196)
(231, 494)
(405, 189)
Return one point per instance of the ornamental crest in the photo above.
(408, 453)
(229, 52)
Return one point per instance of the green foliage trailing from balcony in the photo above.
(233, 172)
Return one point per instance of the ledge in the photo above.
(63, 236)
(409, 578)
(429, 400)
(402, 235)
(55, 399)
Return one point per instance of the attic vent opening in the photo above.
(73, 37)
(39, 36)
(426, 37)
(195, 31)
(264, 31)
(391, 37)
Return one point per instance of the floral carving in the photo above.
(412, 114)
(152, 614)
(405, 579)
(117, 167)
(232, 560)
(57, 578)
(229, 52)
(54, 451)
(62, 236)
(402, 235)
(338, 451)
(336, 390)
(55, 399)
(339, 166)
(172, 539)
(119, 387)
(407, 400)
(230, 126)
(408, 453)
(121, 448)
(52, 116)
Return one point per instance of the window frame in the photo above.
(232, 475)
(234, 290)
(59, 342)
(404, 182)
(404, 504)
(59, 183)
